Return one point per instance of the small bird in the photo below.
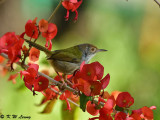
(68, 60)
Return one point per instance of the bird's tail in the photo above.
(39, 47)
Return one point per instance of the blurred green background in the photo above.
(130, 31)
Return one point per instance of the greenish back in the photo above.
(72, 54)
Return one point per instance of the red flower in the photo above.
(12, 78)
(34, 54)
(143, 113)
(14, 52)
(64, 96)
(105, 81)
(50, 34)
(91, 108)
(41, 83)
(124, 99)
(72, 5)
(95, 88)
(11, 45)
(51, 31)
(30, 75)
(8, 40)
(25, 50)
(88, 72)
(91, 72)
(109, 104)
(134, 116)
(105, 95)
(147, 112)
(153, 107)
(31, 29)
(115, 94)
(32, 79)
(43, 25)
(139, 111)
(99, 69)
(67, 94)
(50, 94)
(57, 78)
(120, 116)
(105, 112)
(91, 88)
(88, 79)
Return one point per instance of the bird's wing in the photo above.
(65, 55)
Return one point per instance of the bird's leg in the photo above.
(75, 72)
(65, 79)
(62, 79)
(64, 76)
(59, 76)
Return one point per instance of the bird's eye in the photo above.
(93, 49)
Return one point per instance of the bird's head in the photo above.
(88, 51)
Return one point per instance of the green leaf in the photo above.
(83, 101)
(66, 114)
(49, 106)
(118, 108)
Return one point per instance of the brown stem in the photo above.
(49, 20)
(26, 55)
(53, 13)
(51, 79)
(157, 2)
(60, 94)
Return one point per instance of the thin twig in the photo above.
(60, 94)
(52, 80)
(53, 13)
(157, 2)
(49, 20)
(49, 78)
(26, 55)
(73, 102)
(57, 83)
(44, 75)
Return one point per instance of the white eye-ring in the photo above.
(93, 49)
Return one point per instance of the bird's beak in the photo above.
(101, 50)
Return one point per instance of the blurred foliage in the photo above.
(49, 107)
(129, 30)
(68, 115)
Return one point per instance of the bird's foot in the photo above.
(62, 86)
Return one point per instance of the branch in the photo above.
(49, 78)
(53, 13)
(157, 2)
(60, 94)
(49, 20)
(44, 75)
(54, 82)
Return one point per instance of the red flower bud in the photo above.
(91, 108)
(31, 29)
(43, 25)
(34, 54)
(124, 99)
